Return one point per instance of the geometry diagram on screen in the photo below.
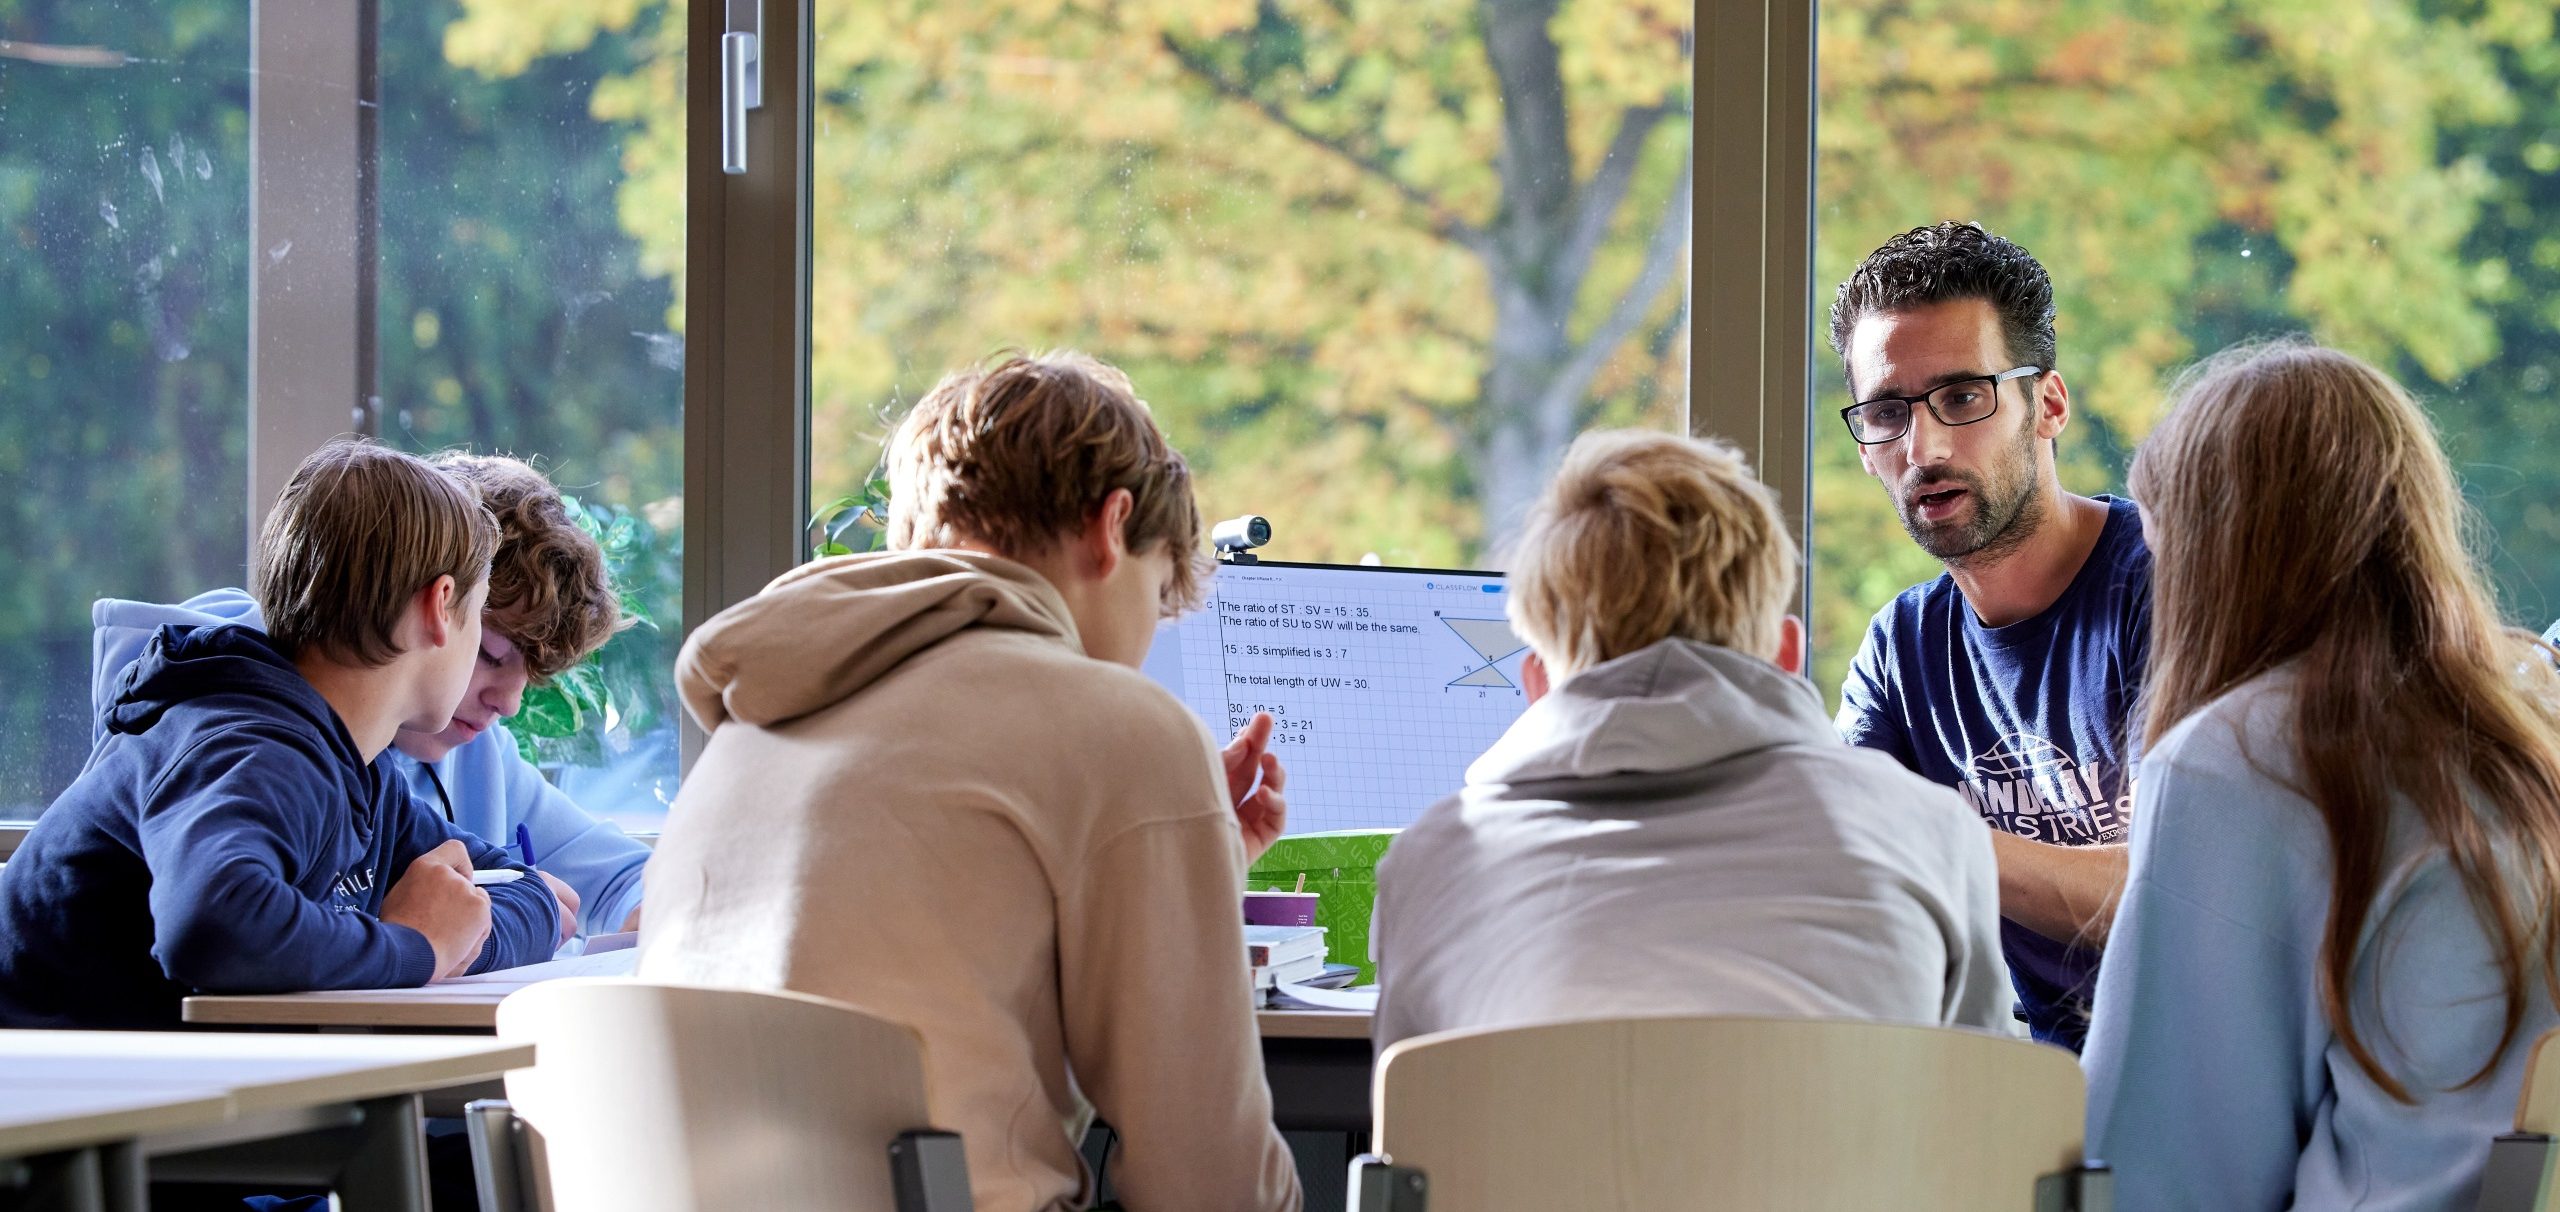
(1492, 641)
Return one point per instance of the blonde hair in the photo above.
(549, 593)
(1020, 454)
(2302, 515)
(357, 532)
(1648, 536)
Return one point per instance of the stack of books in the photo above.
(1283, 955)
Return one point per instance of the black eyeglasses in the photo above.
(1962, 402)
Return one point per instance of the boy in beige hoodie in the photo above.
(938, 788)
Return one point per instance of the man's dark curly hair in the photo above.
(1945, 261)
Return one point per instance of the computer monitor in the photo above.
(1384, 682)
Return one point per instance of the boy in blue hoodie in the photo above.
(551, 604)
(233, 833)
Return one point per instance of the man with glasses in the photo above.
(2013, 676)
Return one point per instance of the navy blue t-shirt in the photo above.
(2033, 723)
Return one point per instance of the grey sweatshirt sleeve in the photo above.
(1978, 991)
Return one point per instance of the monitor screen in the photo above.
(1384, 682)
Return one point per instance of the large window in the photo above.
(2383, 176)
(1373, 263)
(124, 317)
(528, 305)
(184, 217)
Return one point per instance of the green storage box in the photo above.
(1343, 867)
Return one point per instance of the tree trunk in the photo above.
(1537, 255)
(1521, 438)
(1532, 304)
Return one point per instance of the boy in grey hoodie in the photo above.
(1674, 827)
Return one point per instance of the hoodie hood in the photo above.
(184, 664)
(1672, 705)
(825, 630)
(120, 629)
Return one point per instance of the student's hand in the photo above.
(1261, 811)
(568, 898)
(632, 922)
(436, 898)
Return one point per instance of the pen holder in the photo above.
(1276, 908)
(1344, 867)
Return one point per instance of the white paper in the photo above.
(597, 944)
(608, 963)
(1363, 999)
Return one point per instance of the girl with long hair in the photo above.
(2336, 943)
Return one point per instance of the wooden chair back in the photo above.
(648, 1097)
(1729, 1113)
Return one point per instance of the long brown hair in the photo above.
(2303, 515)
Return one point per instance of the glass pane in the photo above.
(2195, 176)
(124, 189)
(1371, 275)
(532, 236)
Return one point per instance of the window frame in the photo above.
(747, 285)
(746, 370)
(747, 244)
(313, 159)
(1751, 241)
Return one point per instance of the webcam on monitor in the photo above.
(1236, 537)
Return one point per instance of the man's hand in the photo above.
(568, 898)
(1261, 811)
(436, 898)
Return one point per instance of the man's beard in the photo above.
(2001, 521)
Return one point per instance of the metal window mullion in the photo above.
(746, 389)
(312, 223)
(1751, 328)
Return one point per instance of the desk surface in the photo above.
(474, 1007)
(44, 1117)
(60, 1089)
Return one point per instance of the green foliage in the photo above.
(852, 524)
(1256, 207)
(621, 689)
(2197, 174)
(1253, 206)
(124, 327)
(516, 314)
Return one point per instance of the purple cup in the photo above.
(1279, 908)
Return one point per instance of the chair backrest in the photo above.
(2521, 1175)
(2538, 1106)
(1729, 1112)
(675, 1097)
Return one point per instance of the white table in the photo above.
(474, 1008)
(89, 1113)
(471, 1004)
(54, 1137)
(1316, 1062)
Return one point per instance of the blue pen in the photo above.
(524, 842)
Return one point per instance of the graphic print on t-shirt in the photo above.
(2029, 786)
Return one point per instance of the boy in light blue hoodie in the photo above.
(550, 605)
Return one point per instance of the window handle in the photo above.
(741, 80)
